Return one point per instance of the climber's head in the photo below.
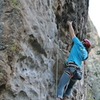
(86, 43)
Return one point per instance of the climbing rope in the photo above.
(59, 43)
(57, 66)
(56, 72)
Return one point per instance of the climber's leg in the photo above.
(64, 80)
(69, 89)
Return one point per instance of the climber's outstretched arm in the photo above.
(71, 30)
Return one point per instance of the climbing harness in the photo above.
(69, 73)
(77, 74)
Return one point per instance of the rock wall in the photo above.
(32, 36)
(93, 66)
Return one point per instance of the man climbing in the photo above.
(72, 73)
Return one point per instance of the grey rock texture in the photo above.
(93, 65)
(32, 36)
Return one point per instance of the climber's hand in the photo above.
(71, 30)
(69, 23)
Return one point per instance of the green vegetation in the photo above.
(14, 4)
(12, 47)
(98, 52)
(89, 95)
(98, 42)
(96, 74)
(1, 73)
(95, 62)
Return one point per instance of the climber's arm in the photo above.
(71, 30)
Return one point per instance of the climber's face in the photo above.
(83, 42)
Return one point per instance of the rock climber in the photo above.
(72, 73)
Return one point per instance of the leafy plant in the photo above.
(89, 95)
(98, 52)
(1, 73)
(14, 4)
(96, 74)
(12, 47)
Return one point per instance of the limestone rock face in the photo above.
(93, 64)
(32, 36)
